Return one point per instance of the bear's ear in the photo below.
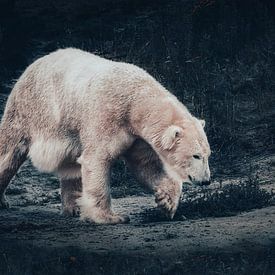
(202, 121)
(170, 137)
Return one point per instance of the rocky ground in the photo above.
(217, 57)
(36, 239)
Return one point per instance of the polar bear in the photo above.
(72, 113)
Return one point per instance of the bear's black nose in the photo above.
(205, 182)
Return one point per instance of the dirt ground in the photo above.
(36, 239)
(217, 57)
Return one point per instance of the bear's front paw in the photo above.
(167, 200)
(89, 211)
(101, 217)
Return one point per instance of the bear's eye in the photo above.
(196, 157)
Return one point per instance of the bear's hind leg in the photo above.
(70, 192)
(13, 152)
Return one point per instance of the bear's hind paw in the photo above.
(73, 211)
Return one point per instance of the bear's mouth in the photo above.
(188, 181)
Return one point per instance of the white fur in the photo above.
(86, 203)
(48, 154)
(5, 161)
(72, 104)
(169, 137)
(172, 173)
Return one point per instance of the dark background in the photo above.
(218, 57)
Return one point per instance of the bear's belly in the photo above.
(50, 154)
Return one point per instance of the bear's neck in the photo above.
(153, 109)
(152, 116)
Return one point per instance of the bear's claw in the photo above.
(119, 219)
(167, 203)
(113, 219)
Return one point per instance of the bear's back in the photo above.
(70, 70)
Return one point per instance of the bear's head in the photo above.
(185, 151)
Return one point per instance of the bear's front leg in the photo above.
(95, 202)
(167, 195)
(146, 165)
